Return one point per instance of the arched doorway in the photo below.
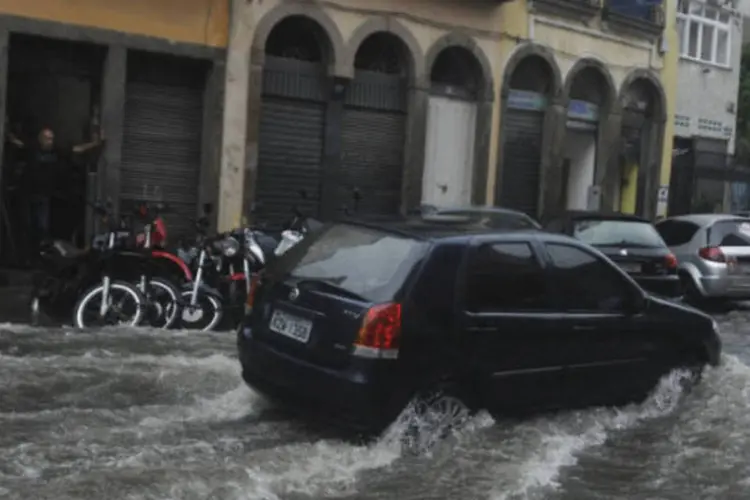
(292, 118)
(589, 99)
(457, 81)
(640, 159)
(531, 86)
(374, 126)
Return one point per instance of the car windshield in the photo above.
(613, 232)
(730, 233)
(368, 263)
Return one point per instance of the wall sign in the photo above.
(526, 100)
(583, 110)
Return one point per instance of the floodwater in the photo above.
(135, 415)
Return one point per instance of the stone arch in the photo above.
(647, 76)
(468, 43)
(384, 25)
(590, 63)
(530, 49)
(334, 42)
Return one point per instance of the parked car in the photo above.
(490, 217)
(713, 251)
(359, 319)
(630, 241)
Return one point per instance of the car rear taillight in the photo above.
(714, 254)
(380, 333)
(670, 262)
(254, 283)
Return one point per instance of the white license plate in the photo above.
(290, 326)
(630, 268)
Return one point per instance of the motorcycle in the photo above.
(89, 281)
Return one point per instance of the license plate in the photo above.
(630, 268)
(290, 326)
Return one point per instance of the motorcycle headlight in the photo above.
(230, 247)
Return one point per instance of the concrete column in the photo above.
(414, 145)
(332, 159)
(4, 39)
(608, 171)
(482, 152)
(113, 118)
(550, 192)
(213, 122)
(233, 168)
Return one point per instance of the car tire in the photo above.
(432, 416)
(692, 294)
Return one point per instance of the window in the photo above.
(704, 32)
(584, 282)
(730, 233)
(505, 277)
(371, 263)
(676, 232)
(612, 232)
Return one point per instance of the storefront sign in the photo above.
(662, 201)
(582, 110)
(527, 100)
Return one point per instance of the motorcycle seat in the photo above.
(67, 250)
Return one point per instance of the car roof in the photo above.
(704, 219)
(432, 230)
(571, 215)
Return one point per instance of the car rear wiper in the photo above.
(330, 284)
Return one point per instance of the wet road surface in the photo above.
(135, 415)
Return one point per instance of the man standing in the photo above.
(45, 170)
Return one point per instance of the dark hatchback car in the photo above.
(489, 217)
(359, 319)
(633, 243)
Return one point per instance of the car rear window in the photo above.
(730, 233)
(371, 263)
(492, 220)
(600, 232)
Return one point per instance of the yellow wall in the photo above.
(669, 81)
(204, 22)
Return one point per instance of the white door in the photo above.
(580, 149)
(449, 152)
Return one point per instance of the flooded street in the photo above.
(153, 415)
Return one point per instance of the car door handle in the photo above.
(584, 328)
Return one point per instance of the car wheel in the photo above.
(692, 294)
(432, 417)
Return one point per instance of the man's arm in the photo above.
(96, 141)
(15, 140)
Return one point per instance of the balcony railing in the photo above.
(574, 8)
(640, 15)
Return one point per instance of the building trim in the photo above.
(591, 63)
(648, 75)
(4, 38)
(337, 48)
(455, 39)
(386, 25)
(527, 49)
(102, 36)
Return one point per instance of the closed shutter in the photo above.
(522, 160)
(161, 153)
(289, 157)
(372, 144)
(372, 160)
(290, 151)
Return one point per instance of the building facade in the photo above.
(148, 75)
(594, 88)
(710, 46)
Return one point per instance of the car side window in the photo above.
(505, 277)
(675, 232)
(584, 282)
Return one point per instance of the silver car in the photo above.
(713, 254)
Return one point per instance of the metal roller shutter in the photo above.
(522, 160)
(290, 150)
(289, 157)
(161, 153)
(372, 160)
(372, 143)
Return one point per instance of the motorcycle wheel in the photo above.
(164, 303)
(127, 308)
(204, 316)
